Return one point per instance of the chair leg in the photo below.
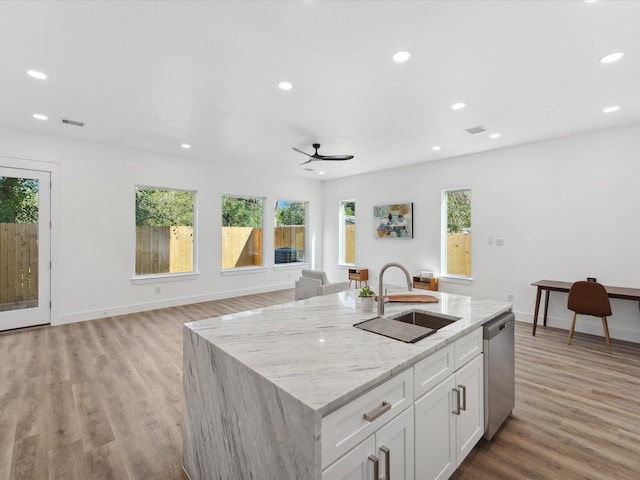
(573, 326)
(605, 326)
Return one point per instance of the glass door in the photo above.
(25, 239)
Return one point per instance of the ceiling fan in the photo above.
(317, 156)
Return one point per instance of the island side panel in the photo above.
(240, 425)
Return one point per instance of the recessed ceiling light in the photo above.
(494, 135)
(611, 109)
(458, 106)
(40, 116)
(37, 74)
(285, 85)
(321, 173)
(435, 148)
(186, 146)
(401, 56)
(612, 57)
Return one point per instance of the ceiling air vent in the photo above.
(478, 129)
(72, 122)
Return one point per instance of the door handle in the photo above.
(387, 462)
(464, 397)
(456, 408)
(376, 467)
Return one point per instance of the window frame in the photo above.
(306, 231)
(342, 248)
(167, 276)
(247, 268)
(444, 273)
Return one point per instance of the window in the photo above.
(241, 231)
(164, 231)
(347, 232)
(456, 228)
(289, 232)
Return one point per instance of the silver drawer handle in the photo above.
(376, 466)
(376, 412)
(464, 397)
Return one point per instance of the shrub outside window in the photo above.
(164, 231)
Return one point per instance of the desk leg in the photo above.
(535, 312)
(546, 306)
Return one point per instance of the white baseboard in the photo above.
(173, 302)
(584, 325)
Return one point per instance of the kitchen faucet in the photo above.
(380, 292)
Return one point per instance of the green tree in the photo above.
(241, 212)
(18, 200)
(350, 208)
(459, 211)
(164, 208)
(290, 213)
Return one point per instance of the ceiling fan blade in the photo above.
(335, 157)
(308, 161)
(300, 151)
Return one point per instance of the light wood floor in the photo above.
(103, 400)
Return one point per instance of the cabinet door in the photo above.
(355, 465)
(435, 447)
(470, 422)
(395, 444)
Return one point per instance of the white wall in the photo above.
(94, 226)
(566, 209)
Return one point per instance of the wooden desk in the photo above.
(555, 286)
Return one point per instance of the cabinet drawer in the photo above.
(467, 347)
(432, 370)
(346, 427)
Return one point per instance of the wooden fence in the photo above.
(242, 246)
(164, 250)
(350, 244)
(170, 249)
(459, 253)
(18, 265)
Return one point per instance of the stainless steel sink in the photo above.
(408, 327)
(428, 320)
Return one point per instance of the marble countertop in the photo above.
(311, 350)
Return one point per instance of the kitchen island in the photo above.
(267, 390)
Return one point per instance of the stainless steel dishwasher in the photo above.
(499, 372)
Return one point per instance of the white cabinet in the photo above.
(449, 422)
(345, 428)
(419, 424)
(387, 454)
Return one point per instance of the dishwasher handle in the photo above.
(495, 326)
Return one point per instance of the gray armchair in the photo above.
(314, 282)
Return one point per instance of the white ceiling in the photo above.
(153, 75)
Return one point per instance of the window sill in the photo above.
(163, 277)
(290, 266)
(455, 279)
(243, 270)
(346, 265)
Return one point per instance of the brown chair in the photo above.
(589, 298)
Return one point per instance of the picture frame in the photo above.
(393, 220)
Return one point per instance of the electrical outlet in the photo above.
(490, 239)
(510, 297)
(499, 242)
(157, 289)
